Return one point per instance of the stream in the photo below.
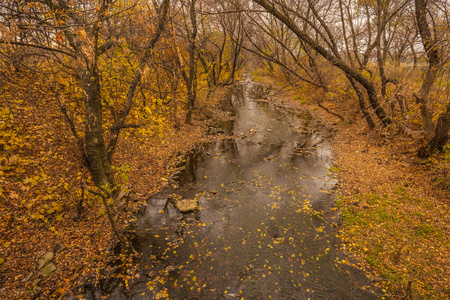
(266, 224)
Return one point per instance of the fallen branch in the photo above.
(329, 111)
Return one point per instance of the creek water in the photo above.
(264, 227)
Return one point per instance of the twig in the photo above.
(408, 291)
(108, 211)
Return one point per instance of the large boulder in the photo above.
(187, 205)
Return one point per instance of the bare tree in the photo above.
(434, 39)
(189, 68)
(327, 46)
(220, 44)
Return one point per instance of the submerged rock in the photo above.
(170, 269)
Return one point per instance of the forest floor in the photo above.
(394, 205)
(54, 232)
(84, 236)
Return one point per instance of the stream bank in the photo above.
(394, 205)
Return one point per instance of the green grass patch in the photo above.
(428, 231)
(402, 238)
(339, 202)
(300, 99)
(350, 218)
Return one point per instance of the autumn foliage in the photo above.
(99, 98)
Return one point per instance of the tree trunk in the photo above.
(423, 100)
(190, 102)
(362, 104)
(441, 135)
(98, 163)
(433, 67)
(436, 137)
(191, 78)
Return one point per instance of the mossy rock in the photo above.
(48, 270)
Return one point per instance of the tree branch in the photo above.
(39, 47)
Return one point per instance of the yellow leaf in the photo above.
(82, 33)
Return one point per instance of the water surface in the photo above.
(264, 230)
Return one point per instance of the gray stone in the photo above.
(29, 276)
(48, 270)
(231, 295)
(59, 247)
(36, 290)
(187, 205)
(36, 282)
(333, 182)
(46, 258)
